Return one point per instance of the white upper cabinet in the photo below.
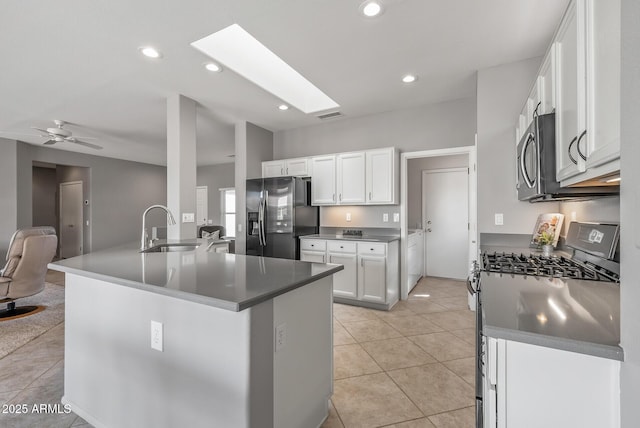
(298, 167)
(587, 91)
(273, 169)
(360, 178)
(547, 82)
(351, 178)
(382, 181)
(571, 92)
(603, 82)
(323, 180)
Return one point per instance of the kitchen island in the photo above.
(197, 338)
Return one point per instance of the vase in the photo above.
(547, 250)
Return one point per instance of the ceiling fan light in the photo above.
(150, 52)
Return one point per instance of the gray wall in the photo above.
(45, 188)
(216, 177)
(435, 126)
(361, 216)
(502, 91)
(8, 193)
(414, 182)
(630, 214)
(253, 146)
(120, 192)
(602, 209)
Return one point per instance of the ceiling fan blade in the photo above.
(44, 131)
(49, 142)
(86, 138)
(84, 143)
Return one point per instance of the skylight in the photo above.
(239, 51)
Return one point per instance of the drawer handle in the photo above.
(372, 249)
(341, 246)
(313, 245)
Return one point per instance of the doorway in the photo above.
(71, 219)
(411, 204)
(445, 221)
(202, 205)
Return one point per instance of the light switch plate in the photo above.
(396, 217)
(188, 217)
(385, 217)
(281, 336)
(348, 216)
(499, 219)
(156, 336)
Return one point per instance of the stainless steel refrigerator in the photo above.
(278, 212)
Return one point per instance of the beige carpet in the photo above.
(16, 332)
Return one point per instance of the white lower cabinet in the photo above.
(534, 386)
(371, 269)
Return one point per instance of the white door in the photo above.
(297, 167)
(380, 183)
(202, 205)
(445, 217)
(71, 219)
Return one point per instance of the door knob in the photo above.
(429, 222)
(429, 230)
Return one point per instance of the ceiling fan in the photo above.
(60, 134)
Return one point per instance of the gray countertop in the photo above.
(568, 314)
(364, 238)
(227, 281)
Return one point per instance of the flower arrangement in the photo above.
(546, 238)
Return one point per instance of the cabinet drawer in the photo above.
(341, 247)
(372, 248)
(313, 244)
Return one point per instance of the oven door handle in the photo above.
(523, 168)
(470, 287)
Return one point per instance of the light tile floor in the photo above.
(411, 367)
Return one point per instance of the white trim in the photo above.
(223, 211)
(473, 209)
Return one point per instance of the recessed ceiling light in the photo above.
(283, 107)
(237, 50)
(212, 66)
(409, 78)
(371, 9)
(150, 52)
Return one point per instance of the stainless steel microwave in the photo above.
(536, 166)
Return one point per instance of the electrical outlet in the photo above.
(396, 217)
(188, 217)
(156, 336)
(385, 217)
(281, 336)
(348, 216)
(499, 219)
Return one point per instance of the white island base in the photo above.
(218, 368)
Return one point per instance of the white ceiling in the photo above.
(78, 61)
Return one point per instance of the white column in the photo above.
(181, 164)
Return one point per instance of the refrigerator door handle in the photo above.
(260, 218)
(264, 215)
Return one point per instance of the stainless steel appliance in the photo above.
(536, 165)
(278, 212)
(595, 258)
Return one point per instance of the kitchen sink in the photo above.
(170, 248)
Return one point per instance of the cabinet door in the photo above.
(273, 169)
(570, 95)
(603, 82)
(381, 176)
(547, 82)
(351, 178)
(372, 274)
(297, 167)
(313, 256)
(323, 180)
(345, 282)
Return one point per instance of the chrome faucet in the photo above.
(170, 221)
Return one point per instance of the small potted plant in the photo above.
(546, 241)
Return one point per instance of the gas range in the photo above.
(549, 266)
